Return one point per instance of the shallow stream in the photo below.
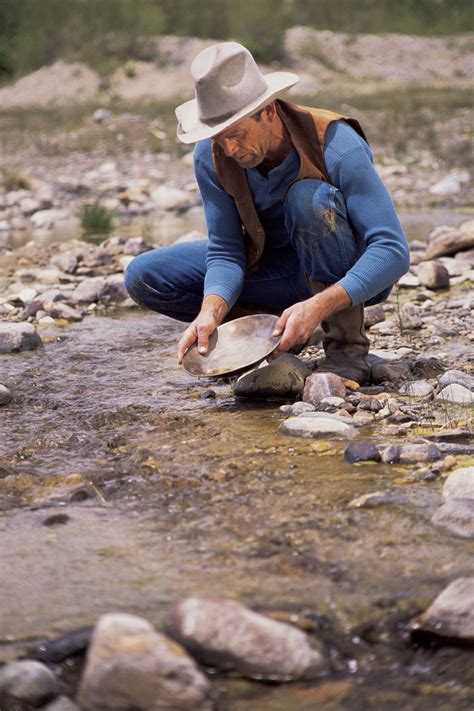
(171, 490)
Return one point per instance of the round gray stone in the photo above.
(316, 427)
(28, 681)
(5, 395)
(18, 337)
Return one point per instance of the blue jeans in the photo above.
(322, 248)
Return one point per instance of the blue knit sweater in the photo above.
(370, 209)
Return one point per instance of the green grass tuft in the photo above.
(96, 219)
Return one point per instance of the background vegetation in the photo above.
(102, 32)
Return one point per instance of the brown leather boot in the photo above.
(345, 344)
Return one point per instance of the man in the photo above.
(299, 222)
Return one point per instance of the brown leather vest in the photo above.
(306, 127)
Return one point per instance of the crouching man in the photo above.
(299, 222)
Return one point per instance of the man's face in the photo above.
(247, 141)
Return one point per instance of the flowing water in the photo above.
(169, 487)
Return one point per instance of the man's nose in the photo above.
(230, 147)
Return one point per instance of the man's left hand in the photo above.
(297, 324)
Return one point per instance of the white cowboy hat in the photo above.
(229, 87)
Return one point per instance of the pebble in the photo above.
(451, 183)
(361, 451)
(61, 310)
(460, 484)
(284, 377)
(410, 453)
(416, 388)
(456, 376)
(297, 408)
(456, 516)
(328, 416)
(168, 198)
(456, 394)
(371, 404)
(410, 316)
(27, 681)
(333, 401)
(66, 262)
(227, 635)
(5, 395)
(135, 246)
(302, 426)
(129, 665)
(321, 385)
(18, 337)
(62, 703)
(433, 275)
(373, 314)
(89, 290)
(408, 281)
(377, 498)
(449, 243)
(451, 614)
(114, 290)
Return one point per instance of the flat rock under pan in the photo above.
(234, 346)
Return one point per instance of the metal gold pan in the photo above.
(234, 346)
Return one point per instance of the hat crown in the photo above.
(226, 79)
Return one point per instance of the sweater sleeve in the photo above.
(225, 263)
(386, 255)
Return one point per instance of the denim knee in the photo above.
(316, 220)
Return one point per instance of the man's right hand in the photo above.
(213, 311)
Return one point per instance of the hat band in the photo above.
(215, 120)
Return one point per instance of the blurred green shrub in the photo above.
(95, 218)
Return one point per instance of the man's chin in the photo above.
(249, 162)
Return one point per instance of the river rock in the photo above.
(410, 453)
(48, 218)
(89, 290)
(361, 451)
(328, 416)
(408, 281)
(370, 404)
(168, 198)
(62, 703)
(129, 665)
(114, 290)
(451, 614)
(284, 377)
(377, 498)
(456, 516)
(27, 681)
(373, 314)
(457, 376)
(304, 426)
(456, 394)
(297, 408)
(410, 316)
(66, 262)
(449, 243)
(18, 337)
(29, 205)
(416, 388)
(135, 246)
(61, 310)
(321, 385)
(433, 275)
(5, 395)
(451, 183)
(394, 372)
(226, 635)
(460, 484)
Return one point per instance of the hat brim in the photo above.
(191, 129)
